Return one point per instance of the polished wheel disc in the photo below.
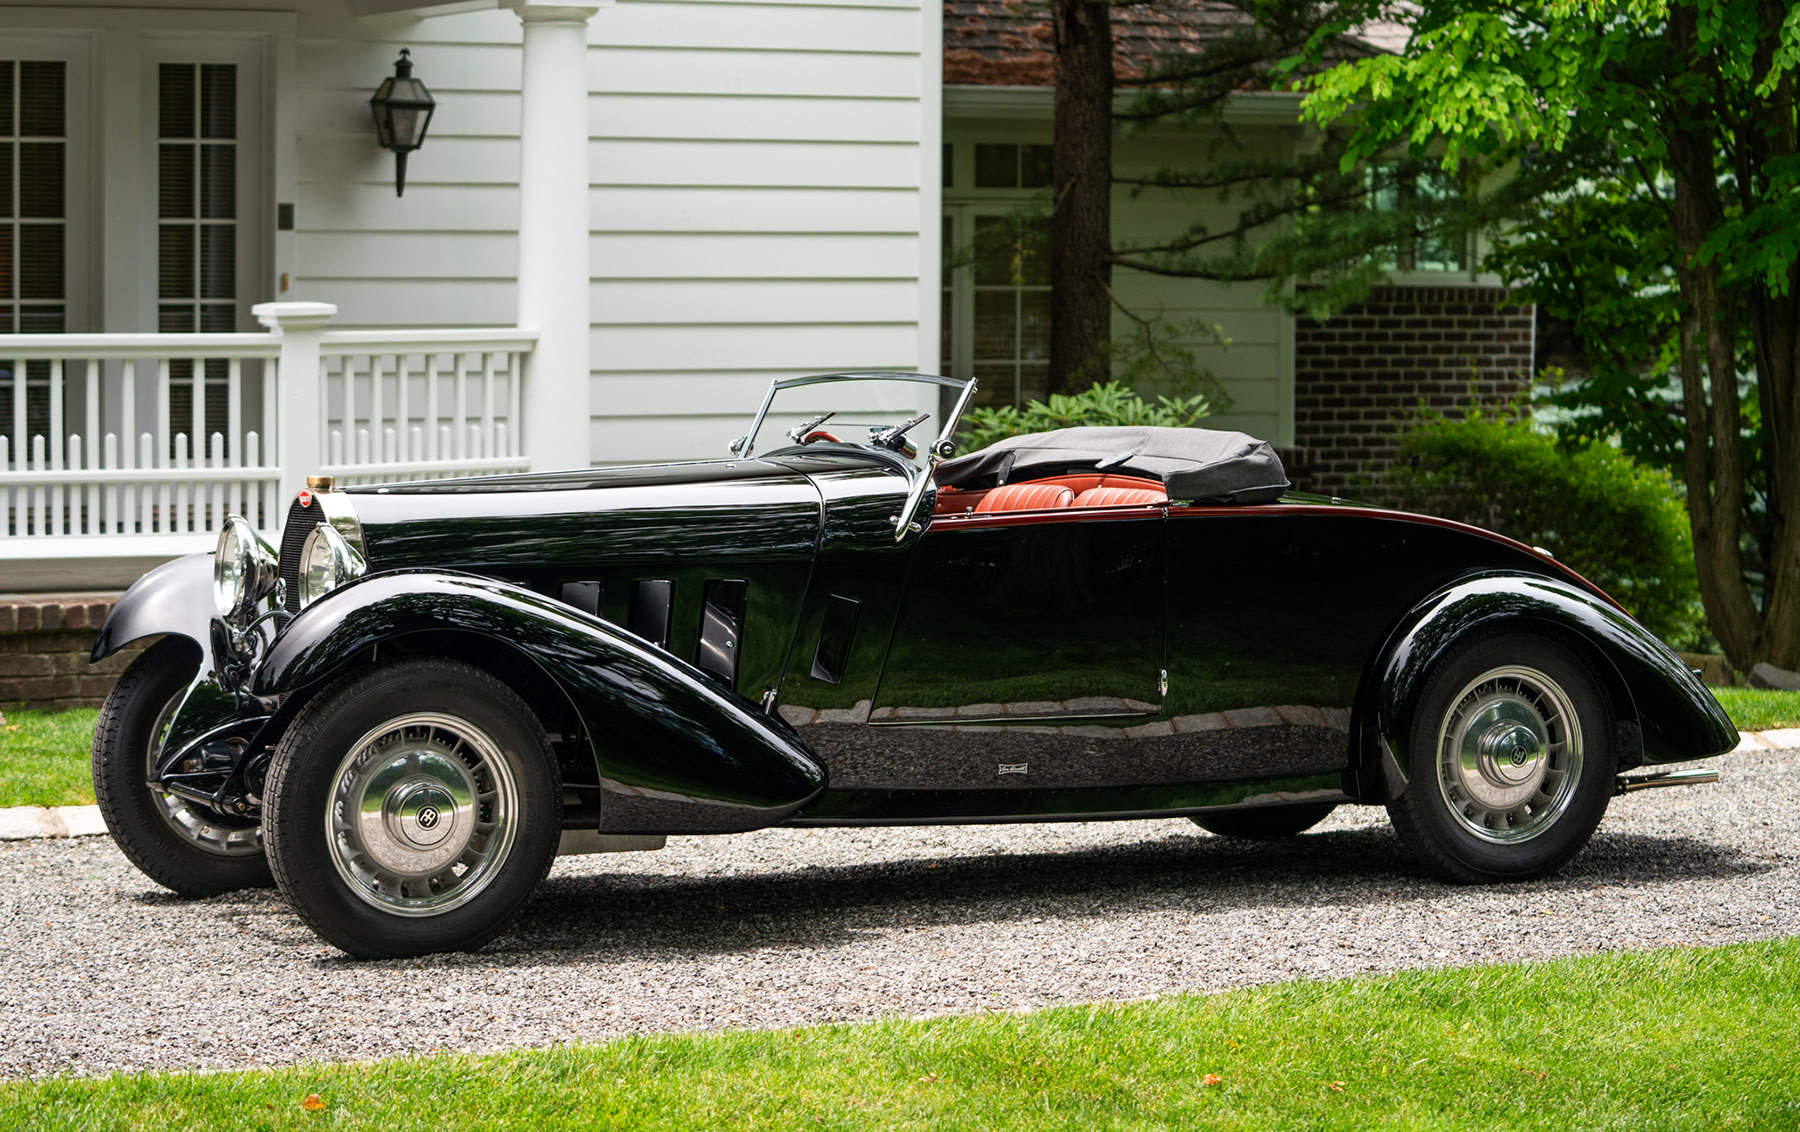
(1509, 755)
(198, 827)
(422, 814)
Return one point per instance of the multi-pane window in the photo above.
(197, 217)
(1002, 166)
(1431, 246)
(33, 228)
(996, 300)
(1010, 330)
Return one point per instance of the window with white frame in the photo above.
(197, 235)
(43, 237)
(996, 291)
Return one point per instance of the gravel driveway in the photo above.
(106, 971)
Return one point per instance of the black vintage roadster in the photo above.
(437, 685)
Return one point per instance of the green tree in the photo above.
(1306, 217)
(1697, 99)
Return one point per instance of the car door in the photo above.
(1018, 632)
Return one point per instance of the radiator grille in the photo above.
(301, 521)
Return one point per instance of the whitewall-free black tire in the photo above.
(412, 808)
(1511, 764)
(178, 844)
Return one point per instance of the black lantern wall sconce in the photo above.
(403, 110)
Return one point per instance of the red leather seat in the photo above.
(1025, 497)
(1120, 496)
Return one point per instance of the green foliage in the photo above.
(1683, 1038)
(1109, 403)
(1759, 709)
(44, 758)
(1617, 522)
(1649, 176)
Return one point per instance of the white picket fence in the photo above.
(107, 458)
(396, 410)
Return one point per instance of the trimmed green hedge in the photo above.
(1618, 522)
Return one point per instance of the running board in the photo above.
(1625, 784)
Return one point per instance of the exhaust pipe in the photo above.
(1625, 784)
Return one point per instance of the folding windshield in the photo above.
(909, 414)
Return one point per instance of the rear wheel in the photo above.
(412, 808)
(179, 844)
(1512, 762)
(1265, 823)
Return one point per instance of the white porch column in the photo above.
(553, 230)
(299, 382)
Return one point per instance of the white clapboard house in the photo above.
(624, 220)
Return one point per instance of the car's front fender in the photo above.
(176, 599)
(676, 752)
(1650, 686)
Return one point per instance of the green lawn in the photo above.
(44, 758)
(44, 755)
(1759, 709)
(1678, 1039)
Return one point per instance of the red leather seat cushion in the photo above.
(1120, 496)
(1025, 497)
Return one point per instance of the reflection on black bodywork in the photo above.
(1039, 620)
(757, 511)
(721, 627)
(675, 753)
(835, 637)
(652, 605)
(584, 596)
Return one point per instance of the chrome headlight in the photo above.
(243, 570)
(326, 562)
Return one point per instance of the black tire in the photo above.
(1511, 763)
(461, 777)
(1265, 823)
(182, 847)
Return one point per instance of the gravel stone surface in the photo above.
(104, 970)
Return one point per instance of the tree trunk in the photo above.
(1081, 226)
(1714, 467)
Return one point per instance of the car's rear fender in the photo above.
(1662, 711)
(676, 752)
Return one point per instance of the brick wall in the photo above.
(1359, 377)
(44, 643)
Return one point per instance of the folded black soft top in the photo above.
(1198, 464)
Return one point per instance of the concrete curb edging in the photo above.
(23, 823)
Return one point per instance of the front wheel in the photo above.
(179, 844)
(1512, 762)
(412, 808)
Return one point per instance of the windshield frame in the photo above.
(940, 449)
(744, 446)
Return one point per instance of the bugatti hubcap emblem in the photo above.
(428, 815)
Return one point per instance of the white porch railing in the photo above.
(140, 444)
(398, 408)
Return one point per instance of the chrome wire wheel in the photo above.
(423, 814)
(1509, 755)
(198, 827)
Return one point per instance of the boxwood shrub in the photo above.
(1621, 524)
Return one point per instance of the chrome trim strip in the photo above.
(340, 512)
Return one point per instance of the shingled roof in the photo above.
(1010, 43)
